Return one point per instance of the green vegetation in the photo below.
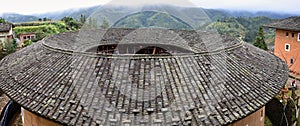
(7, 47)
(252, 24)
(82, 18)
(105, 24)
(46, 28)
(268, 121)
(27, 43)
(243, 27)
(11, 17)
(2, 20)
(228, 26)
(91, 24)
(44, 19)
(41, 31)
(72, 24)
(34, 23)
(151, 19)
(260, 40)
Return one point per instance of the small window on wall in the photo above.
(293, 35)
(287, 47)
(292, 61)
(298, 36)
(287, 34)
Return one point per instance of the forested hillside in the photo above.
(241, 24)
(15, 18)
(152, 19)
(244, 27)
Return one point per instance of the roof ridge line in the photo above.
(139, 56)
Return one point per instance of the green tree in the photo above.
(105, 24)
(82, 18)
(91, 24)
(2, 20)
(71, 23)
(7, 47)
(14, 44)
(260, 40)
(46, 19)
(27, 43)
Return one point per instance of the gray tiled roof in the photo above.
(5, 27)
(212, 86)
(291, 23)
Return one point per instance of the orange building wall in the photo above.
(31, 119)
(255, 119)
(280, 40)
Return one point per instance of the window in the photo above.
(293, 35)
(298, 36)
(287, 34)
(292, 61)
(287, 47)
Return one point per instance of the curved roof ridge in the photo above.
(215, 88)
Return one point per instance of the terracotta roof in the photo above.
(291, 23)
(215, 85)
(5, 27)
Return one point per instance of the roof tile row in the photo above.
(200, 89)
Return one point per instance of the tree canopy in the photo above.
(260, 40)
(71, 23)
(2, 20)
(7, 47)
(105, 24)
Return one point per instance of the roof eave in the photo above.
(282, 28)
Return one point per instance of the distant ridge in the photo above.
(269, 14)
(15, 18)
(122, 11)
(152, 19)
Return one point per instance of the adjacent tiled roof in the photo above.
(291, 23)
(5, 27)
(218, 84)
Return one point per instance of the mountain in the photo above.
(217, 14)
(193, 16)
(74, 13)
(152, 19)
(15, 18)
(228, 26)
(269, 14)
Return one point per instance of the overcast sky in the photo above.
(42, 6)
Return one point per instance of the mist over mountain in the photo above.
(14, 17)
(269, 14)
(152, 19)
(75, 13)
(195, 16)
